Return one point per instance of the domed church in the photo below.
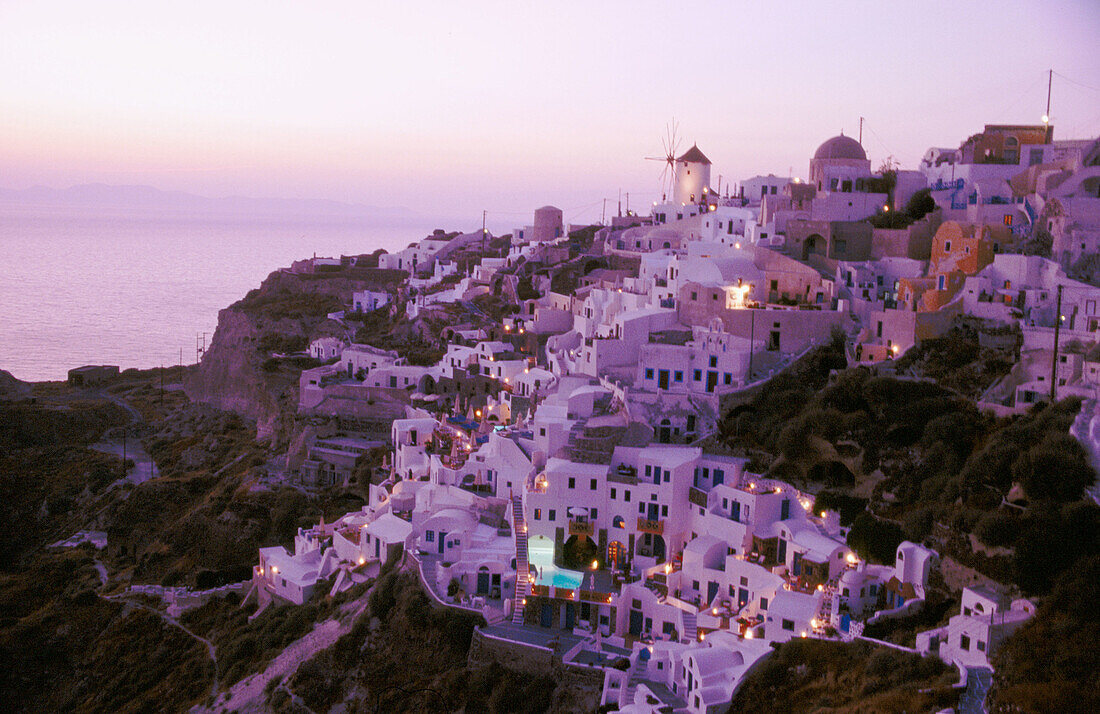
(839, 165)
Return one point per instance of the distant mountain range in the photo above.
(149, 197)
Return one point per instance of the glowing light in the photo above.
(797, 180)
(814, 622)
(803, 633)
(885, 209)
(737, 246)
(524, 601)
(823, 514)
(851, 558)
(1046, 119)
(477, 413)
(595, 564)
(714, 611)
(713, 208)
(748, 634)
(521, 330)
(820, 588)
(668, 568)
(507, 328)
(362, 560)
(274, 569)
(702, 636)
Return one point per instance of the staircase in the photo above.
(523, 568)
(632, 677)
(691, 627)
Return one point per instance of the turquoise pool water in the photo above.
(570, 579)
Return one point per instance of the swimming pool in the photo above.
(560, 578)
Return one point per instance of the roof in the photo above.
(693, 155)
(390, 528)
(841, 147)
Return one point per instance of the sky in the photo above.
(454, 108)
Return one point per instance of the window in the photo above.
(697, 375)
(727, 378)
(592, 512)
(694, 295)
(664, 511)
(626, 495)
(668, 475)
(614, 494)
(788, 625)
(678, 376)
(592, 484)
(1008, 219)
(714, 296)
(763, 603)
(649, 373)
(538, 514)
(429, 536)
(572, 482)
(553, 515)
(947, 246)
(981, 646)
(964, 642)
(744, 580)
(641, 508)
(713, 362)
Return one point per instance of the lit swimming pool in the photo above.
(559, 578)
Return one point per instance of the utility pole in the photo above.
(620, 203)
(483, 215)
(628, 204)
(752, 336)
(603, 214)
(1054, 360)
(861, 130)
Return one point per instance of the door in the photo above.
(712, 591)
(662, 379)
(796, 564)
(712, 381)
(653, 512)
(442, 541)
(570, 615)
(742, 597)
(635, 622)
(546, 615)
(483, 582)
(782, 551)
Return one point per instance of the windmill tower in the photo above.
(692, 173)
(671, 144)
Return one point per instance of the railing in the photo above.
(616, 476)
(656, 526)
(585, 528)
(594, 596)
(564, 594)
(697, 496)
(540, 590)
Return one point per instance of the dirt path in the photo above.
(248, 694)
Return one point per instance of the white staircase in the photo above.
(523, 569)
(691, 627)
(636, 671)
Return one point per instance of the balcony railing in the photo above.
(584, 528)
(656, 526)
(697, 496)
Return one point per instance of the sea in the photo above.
(141, 287)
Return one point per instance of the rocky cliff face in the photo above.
(282, 315)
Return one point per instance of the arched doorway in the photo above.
(579, 552)
(816, 244)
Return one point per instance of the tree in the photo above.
(920, 204)
(875, 540)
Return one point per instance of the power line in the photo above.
(1079, 84)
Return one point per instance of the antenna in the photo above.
(671, 144)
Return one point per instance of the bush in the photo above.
(875, 540)
(998, 529)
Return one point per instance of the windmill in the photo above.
(671, 144)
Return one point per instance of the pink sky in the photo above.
(507, 106)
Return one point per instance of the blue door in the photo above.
(782, 551)
(442, 541)
(546, 615)
(742, 597)
(845, 622)
(796, 564)
(570, 615)
(483, 583)
(636, 622)
(712, 590)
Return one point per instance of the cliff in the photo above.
(238, 374)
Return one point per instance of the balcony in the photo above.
(581, 528)
(656, 526)
(697, 496)
(624, 474)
